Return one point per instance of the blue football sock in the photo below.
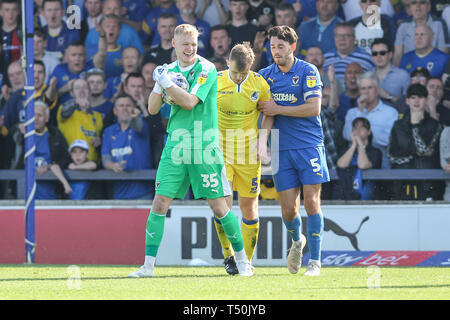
(294, 227)
(314, 235)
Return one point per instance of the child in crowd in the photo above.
(79, 150)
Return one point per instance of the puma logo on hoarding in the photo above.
(330, 225)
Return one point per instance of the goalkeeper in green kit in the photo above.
(191, 155)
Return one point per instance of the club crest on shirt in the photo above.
(191, 74)
(430, 65)
(295, 79)
(311, 81)
(157, 185)
(254, 96)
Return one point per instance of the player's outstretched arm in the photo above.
(311, 108)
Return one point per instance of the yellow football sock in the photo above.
(250, 231)
(227, 249)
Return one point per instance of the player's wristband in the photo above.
(157, 89)
(165, 82)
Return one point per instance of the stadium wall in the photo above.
(99, 234)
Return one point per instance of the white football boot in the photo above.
(245, 268)
(313, 269)
(294, 259)
(143, 272)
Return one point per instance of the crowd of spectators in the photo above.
(384, 65)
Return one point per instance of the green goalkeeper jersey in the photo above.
(198, 127)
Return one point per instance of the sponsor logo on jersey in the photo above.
(120, 152)
(290, 97)
(311, 81)
(202, 78)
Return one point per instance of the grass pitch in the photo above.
(94, 282)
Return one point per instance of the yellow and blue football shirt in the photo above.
(238, 108)
(82, 125)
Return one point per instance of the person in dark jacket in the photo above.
(414, 144)
(360, 155)
(50, 154)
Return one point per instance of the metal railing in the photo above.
(150, 175)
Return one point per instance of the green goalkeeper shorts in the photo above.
(203, 169)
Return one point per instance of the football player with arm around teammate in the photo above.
(298, 161)
(192, 154)
(238, 93)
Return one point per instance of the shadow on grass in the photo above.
(116, 278)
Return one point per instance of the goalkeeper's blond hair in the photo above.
(184, 29)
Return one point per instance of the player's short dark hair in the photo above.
(133, 75)
(243, 55)
(384, 41)
(284, 33)
(124, 95)
(418, 90)
(40, 33)
(59, 1)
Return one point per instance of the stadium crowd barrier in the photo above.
(149, 175)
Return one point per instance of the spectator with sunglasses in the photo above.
(371, 25)
(393, 81)
(404, 40)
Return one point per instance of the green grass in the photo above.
(212, 283)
